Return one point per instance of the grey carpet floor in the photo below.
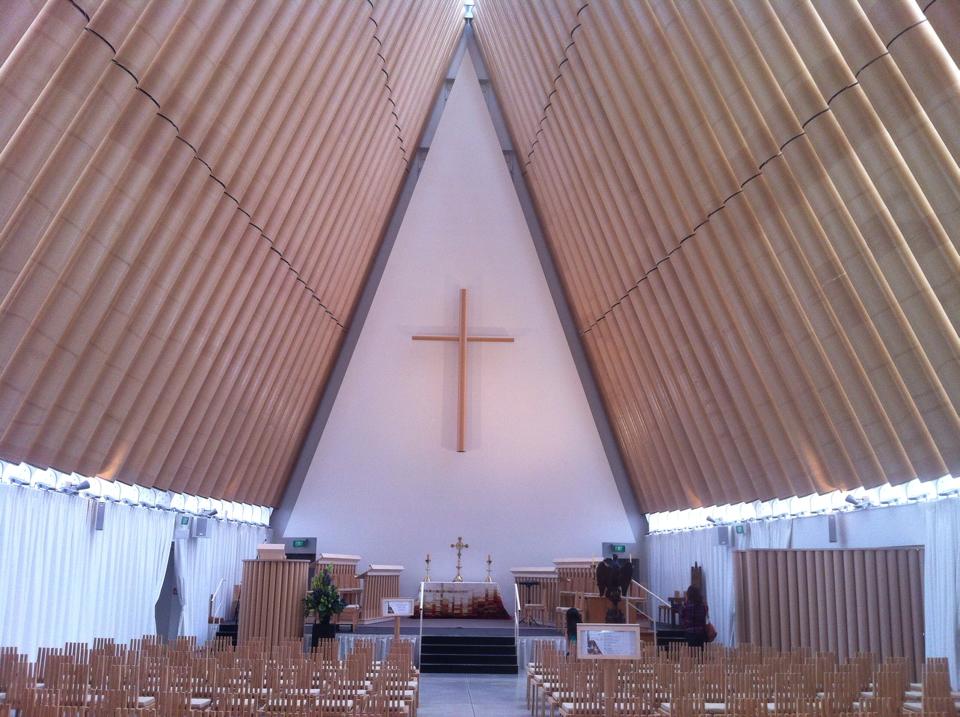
(472, 696)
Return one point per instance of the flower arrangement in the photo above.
(323, 599)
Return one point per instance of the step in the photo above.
(471, 669)
(458, 649)
(466, 640)
(463, 658)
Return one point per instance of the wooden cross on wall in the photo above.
(463, 339)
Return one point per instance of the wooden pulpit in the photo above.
(271, 600)
(379, 581)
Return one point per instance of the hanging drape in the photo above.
(62, 581)
(669, 559)
(201, 564)
(768, 534)
(942, 588)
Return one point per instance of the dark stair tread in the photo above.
(452, 639)
(459, 668)
(472, 660)
(468, 649)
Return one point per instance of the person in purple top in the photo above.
(693, 617)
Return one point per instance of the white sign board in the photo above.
(400, 607)
(599, 641)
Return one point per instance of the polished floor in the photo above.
(472, 696)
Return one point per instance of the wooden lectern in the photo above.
(271, 600)
(379, 581)
(539, 590)
(343, 570)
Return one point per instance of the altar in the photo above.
(463, 600)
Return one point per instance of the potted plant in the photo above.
(323, 601)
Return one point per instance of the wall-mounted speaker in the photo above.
(723, 535)
(198, 527)
(100, 512)
(832, 527)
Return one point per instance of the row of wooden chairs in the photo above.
(745, 681)
(148, 677)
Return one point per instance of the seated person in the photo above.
(693, 617)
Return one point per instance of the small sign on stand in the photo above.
(610, 642)
(397, 607)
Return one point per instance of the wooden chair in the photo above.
(41, 697)
(20, 683)
(543, 675)
(72, 683)
(790, 688)
(340, 698)
(746, 707)
(584, 697)
(560, 686)
(688, 706)
(385, 703)
(327, 650)
(174, 703)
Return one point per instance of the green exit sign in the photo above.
(300, 543)
(740, 530)
(184, 520)
(618, 548)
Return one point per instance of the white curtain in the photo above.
(941, 605)
(201, 563)
(62, 581)
(768, 535)
(669, 558)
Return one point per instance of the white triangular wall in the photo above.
(386, 481)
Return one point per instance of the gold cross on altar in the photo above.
(463, 339)
(459, 545)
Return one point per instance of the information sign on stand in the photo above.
(610, 642)
(397, 608)
(600, 641)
